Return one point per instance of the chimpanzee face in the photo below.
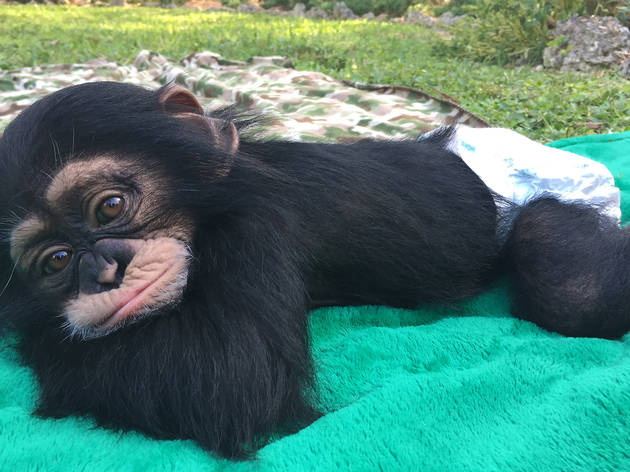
(104, 246)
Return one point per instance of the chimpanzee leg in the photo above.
(569, 266)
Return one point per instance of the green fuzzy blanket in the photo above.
(435, 389)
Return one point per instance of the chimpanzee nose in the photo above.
(107, 275)
(96, 273)
(103, 268)
(119, 251)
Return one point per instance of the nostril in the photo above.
(120, 272)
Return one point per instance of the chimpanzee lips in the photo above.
(137, 301)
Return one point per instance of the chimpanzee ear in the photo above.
(181, 103)
(175, 98)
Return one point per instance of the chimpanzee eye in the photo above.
(57, 261)
(109, 209)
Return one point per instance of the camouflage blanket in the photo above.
(297, 105)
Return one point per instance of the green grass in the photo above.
(542, 105)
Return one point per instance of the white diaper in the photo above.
(518, 168)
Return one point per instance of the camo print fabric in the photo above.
(296, 105)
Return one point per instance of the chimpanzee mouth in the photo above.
(155, 278)
(142, 300)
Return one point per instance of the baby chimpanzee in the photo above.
(160, 269)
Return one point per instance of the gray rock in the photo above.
(316, 13)
(246, 8)
(420, 18)
(341, 12)
(368, 16)
(298, 10)
(448, 19)
(624, 69)
(586, 43)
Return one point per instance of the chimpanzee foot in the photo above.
(570, 269)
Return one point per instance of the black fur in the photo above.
(570, 269)
(293, 225)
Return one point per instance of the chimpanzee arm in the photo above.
(255, 298)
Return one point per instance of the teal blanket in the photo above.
(435, 389)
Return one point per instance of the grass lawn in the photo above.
(542, 105)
